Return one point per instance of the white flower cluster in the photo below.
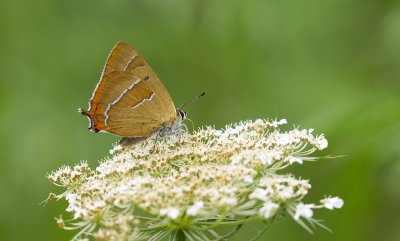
(187, 186)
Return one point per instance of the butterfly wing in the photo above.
(123, 58)
(129, 100)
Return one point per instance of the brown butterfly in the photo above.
(130, 100)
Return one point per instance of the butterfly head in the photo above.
(182, 114)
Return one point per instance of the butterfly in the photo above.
(130, 101)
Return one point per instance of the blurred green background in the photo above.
(332, 65)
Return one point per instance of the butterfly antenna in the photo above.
(192, 100)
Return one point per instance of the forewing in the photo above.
(123, 58)
(138, 66)
(139, 111)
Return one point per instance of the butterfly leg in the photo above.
(179, 136)
(145, 144)
(155, 142)
(180, 132)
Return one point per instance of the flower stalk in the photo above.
(187, 187)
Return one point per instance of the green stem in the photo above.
(159, 227)
(243, 221)
(230, 234)
(215, 224)
(180, 236)
(268, 224)
(237, 222)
